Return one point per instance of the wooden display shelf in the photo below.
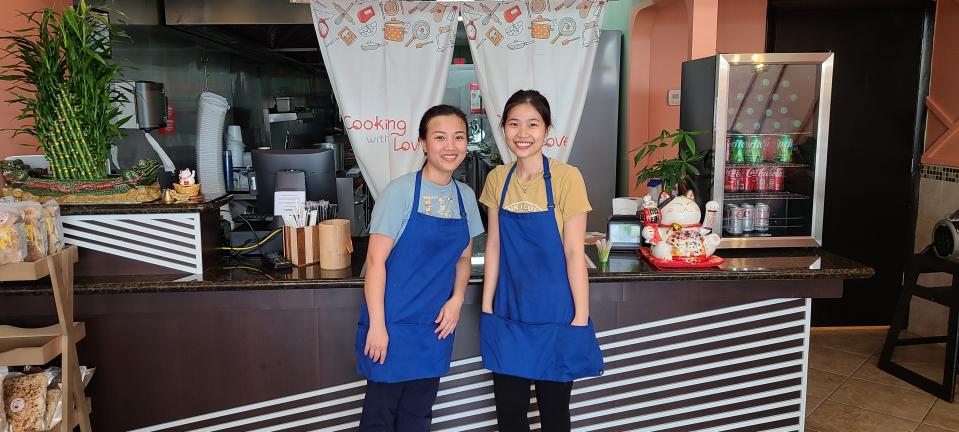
(38, 346)
(39, 269)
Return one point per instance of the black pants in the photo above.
(512, 403)
(399, 407)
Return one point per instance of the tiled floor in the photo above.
(847, 393)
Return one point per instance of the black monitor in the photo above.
(317, 164)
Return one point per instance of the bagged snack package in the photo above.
(34, 228)
(4, 427)
(54, 225)
(13, 242)
(25, 401)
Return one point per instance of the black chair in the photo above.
(945, 295)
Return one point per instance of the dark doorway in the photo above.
(878, 54)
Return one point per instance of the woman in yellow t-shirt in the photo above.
(535, 325)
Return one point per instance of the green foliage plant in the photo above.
(677, 172)
(61, 72)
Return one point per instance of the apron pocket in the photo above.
(413, 352)
(552, 352)
(579, 353)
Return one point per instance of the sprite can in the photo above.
(754, 149)
(784, 149)
(737, 153)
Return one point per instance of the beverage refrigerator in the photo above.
(766, 123)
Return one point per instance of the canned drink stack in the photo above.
(762, 217)
(749, 215)
(754, 149)
(737, 150)
(776, 174)
(750, 179)
(784, 149)
(733, 180)
(733, 219)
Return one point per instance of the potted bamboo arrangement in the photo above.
(676, 173)
(62, 74)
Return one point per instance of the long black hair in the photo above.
(532, 97)
(436, 111)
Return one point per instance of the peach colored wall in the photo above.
(659, 41)
(742, 26)
(942, 124)
(703, 18)
(10, 20)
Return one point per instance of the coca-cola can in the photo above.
(762, 217)
(733, 219)
(765, 179)
(733, 180)
(776, 174)
(751, 179)
(748, 216)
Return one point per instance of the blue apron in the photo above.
(529, 333)
(420, 273)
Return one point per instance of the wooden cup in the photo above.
(336, 245)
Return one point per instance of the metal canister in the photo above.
(762, 217)
(732, 219)
(737, 152)
(754, 149)
(749, 218)
(784, 149)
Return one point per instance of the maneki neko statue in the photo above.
(676, 233)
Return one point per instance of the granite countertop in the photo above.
(146, 208)
(248, 273)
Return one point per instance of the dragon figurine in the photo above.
(137, 184)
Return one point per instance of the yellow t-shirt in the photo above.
(569, 192)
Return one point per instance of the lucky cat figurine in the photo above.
(187, 177)
(679, 234)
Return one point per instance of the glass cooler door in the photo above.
(772, 119)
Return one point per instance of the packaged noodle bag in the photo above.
(54, 226)
(13, 242)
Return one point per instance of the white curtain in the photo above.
(545, 45)
(388, 62)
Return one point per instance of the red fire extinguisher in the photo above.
(170, 128)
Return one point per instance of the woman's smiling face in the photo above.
(525, 131)
(445, 142)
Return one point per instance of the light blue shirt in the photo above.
(392, 209)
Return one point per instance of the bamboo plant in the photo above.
(62, 72)
(676, 173)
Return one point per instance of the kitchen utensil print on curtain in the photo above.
(537, 44)
(373, 50)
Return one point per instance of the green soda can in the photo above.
(784, 149)
(737, 154)
(754, 149)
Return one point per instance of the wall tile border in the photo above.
(942, 173)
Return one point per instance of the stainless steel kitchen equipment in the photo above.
(766, 118)
(151, 105)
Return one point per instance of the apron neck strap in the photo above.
(416, 190)
(549, 184)
(546, 177)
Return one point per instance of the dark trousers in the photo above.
(512, 403)
(399, 407)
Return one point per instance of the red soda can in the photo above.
(729, 145)
(777, 178)
(769, 147)
(765, 179)
(733, 180)
(752, 179)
